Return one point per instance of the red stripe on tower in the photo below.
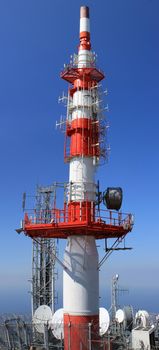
(79, 330)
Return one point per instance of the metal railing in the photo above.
(16, 336)
(84, 214)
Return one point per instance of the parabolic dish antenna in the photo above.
(125, 316)
(56, 324)
(142, 318)
(120, 316)
(41, 317)
(104, 320)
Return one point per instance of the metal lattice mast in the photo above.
(43, 256)
(114, 296)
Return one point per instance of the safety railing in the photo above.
(78, 214)
(24, 336)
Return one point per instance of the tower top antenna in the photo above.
(84, 11)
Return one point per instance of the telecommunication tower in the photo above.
(83, 219)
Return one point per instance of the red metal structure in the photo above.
(67, 221)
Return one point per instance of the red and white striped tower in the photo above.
(79, 221)
(81, 279)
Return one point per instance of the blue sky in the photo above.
(36, 39)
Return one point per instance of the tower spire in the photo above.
(84, 28)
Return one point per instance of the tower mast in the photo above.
(43, 257)
(81, 279)
(82, 219)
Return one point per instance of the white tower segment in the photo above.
(80, 280)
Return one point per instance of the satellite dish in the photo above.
(142, 318)
(125, 316)
(56, 324)
(119, 316)
(129, 317)
(112, 198)
(41, 317)
(104, 320)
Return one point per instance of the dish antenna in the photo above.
(125, 316)
(142, 318)
(119, 316)
(56, 324)
(41, 317)
(104, 320)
